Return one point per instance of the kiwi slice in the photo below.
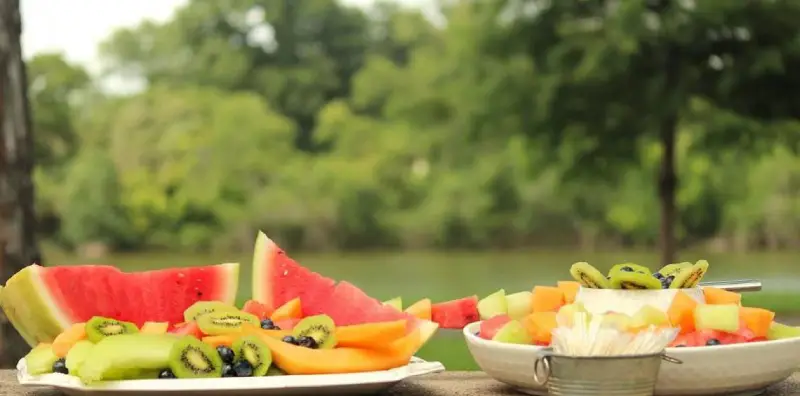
(589, 276)
(634, 281)
(40, 360)
(318, 327)
(192, 358)
(255, 352)
(691, 276)
(673, 269)
(99, 327)
(204, 307)
(225, 322)
(628, 267)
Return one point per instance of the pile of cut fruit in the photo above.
(629, 276)
(720, 320)
(218, 340)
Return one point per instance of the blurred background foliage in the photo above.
(485, 124)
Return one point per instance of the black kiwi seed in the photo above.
(166, 374)
(228, 371)
(225, 353)
(60, 366)
(712, 342)
(626, 269)
(308, 342)
(289, 340)
(243, 368)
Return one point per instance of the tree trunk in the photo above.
(17, 220)
(667, 186)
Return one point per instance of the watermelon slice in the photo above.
(278, 279)
(455, 314)
(42, 302)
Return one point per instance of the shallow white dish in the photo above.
(739, 369)
(358, 383)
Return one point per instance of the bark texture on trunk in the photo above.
(17, 220)
(667, 186)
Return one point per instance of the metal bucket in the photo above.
(633, 375)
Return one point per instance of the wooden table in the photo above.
(454, 383)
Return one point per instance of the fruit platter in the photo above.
(94, 327)
(726, 348)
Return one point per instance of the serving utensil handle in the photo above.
(736, 285)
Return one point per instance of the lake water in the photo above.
(444, 276)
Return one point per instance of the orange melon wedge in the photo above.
(570, 290)
(681, 312)
(154, 328)
(421, 309)
(370, 335)
(291, 310)
(715, 295)
(64, 341)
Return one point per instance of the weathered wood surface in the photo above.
(17, 220)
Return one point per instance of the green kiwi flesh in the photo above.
(204, 307)
(255, 352)
(192, 358)
(690, 277)
(589, 276)
(40, 360)
(99, 327)
(634, 281)
(673, 269)
(319, 327)
(118, 356)
(216, 323)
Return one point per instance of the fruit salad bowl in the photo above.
(740, 369)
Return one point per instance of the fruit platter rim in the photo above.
(416, 367)
(470, 329)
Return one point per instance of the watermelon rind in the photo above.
(261, 261)
(230, 282)
(38, 316)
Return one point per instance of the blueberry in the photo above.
(228, 371)
(60, 367)
(670, 279)
(165, 374)
(658, 275)
(627, 269)
(713, 341)
(289, 340)
(267, 324)
(308, 342)
(225, 353)
(243, 368)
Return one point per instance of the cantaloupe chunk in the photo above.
(540, 326)
(64, 341)
(570, 290)
(292, 309)
(681, 312)
(154, 328)
(300, 360)
(758, 320)
(370, 335)
(421, 309)
(716, 296)
(546, 299)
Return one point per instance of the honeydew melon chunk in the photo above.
(30, 301)
(512, 332)
(396, 303)
(566, 314)
(518, 304)
(720, 317)
(648, 316)
(779, 331)
(493, 305)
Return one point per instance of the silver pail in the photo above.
(633, 375)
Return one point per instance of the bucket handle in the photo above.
(542, 364)
(671, 359)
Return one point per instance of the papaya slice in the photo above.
(758, 320)
(64, 341)
(421, 309)
(715, 295)
(370, 335)
(299, 360)
(291, 310)
(260, 310)
(681, 312)
(154, 328)
(228, 339)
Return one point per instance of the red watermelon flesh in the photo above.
(349, 305)
(161, 296)
(490, 327)
(277, 279)
(455, 314)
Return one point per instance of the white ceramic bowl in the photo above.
(630, 301)
(739, 369)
